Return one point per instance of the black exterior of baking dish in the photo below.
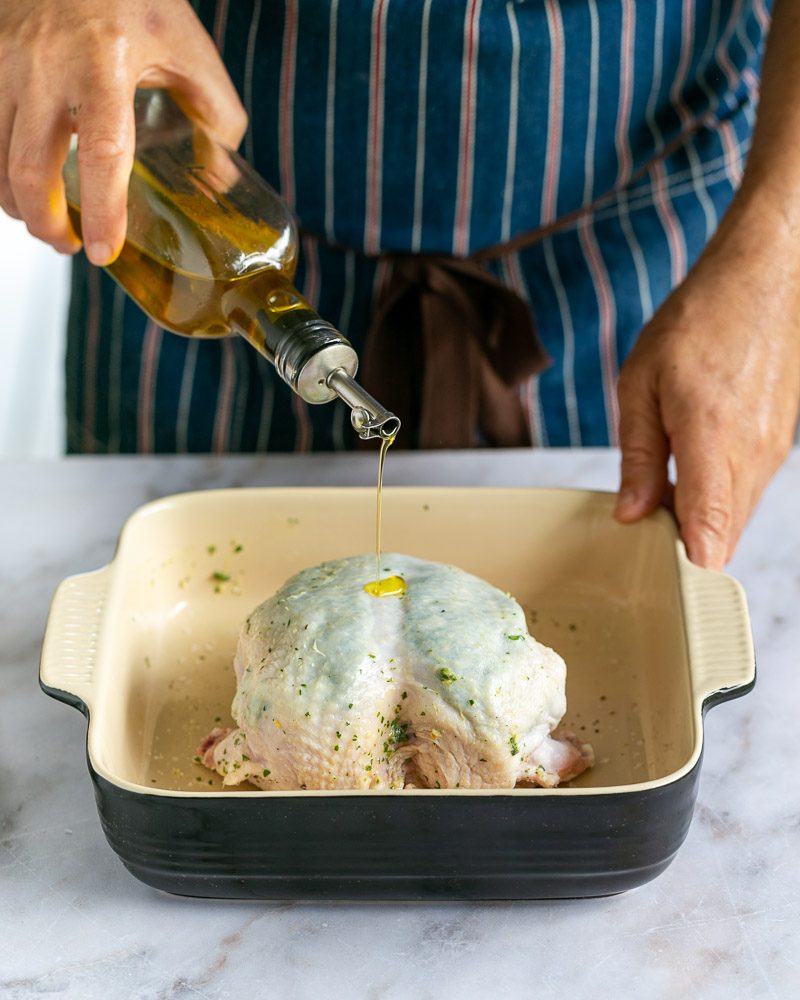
(420, 846)
(396, 847)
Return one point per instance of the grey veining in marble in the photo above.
(722, 923)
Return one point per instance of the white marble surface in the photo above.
(722, 923)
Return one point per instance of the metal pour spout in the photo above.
(368, 417)
(318, 363)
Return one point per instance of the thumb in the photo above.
(645, 452)
(704, 498)
(192, 70)
(213, 102)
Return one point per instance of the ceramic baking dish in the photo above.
(144, 647)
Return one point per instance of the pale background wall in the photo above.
(33, 303)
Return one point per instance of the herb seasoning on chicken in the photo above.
(441, 687)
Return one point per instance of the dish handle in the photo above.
(718, 635)
(69, 650)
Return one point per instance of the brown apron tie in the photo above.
(447, 350)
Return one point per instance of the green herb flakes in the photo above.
(399, 731)
(446, 676)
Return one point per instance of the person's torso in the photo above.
(451, 125)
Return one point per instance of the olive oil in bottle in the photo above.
(211, 250)
(180, 271)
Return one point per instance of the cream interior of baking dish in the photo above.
(189, 568)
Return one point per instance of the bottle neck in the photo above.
(309, 354)
(304, 348)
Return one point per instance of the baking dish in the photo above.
(144, 648)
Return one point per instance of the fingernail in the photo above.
(99, 253)
(709, 553)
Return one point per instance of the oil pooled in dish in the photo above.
(441, 687)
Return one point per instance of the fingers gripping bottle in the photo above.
(211, 250)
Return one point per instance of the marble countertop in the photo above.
(722, 922)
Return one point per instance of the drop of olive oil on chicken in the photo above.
(389, 586)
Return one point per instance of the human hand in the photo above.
(714, 380)
(74, 67)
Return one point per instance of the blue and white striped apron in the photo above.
(446, 126)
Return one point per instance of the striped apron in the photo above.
(448, 126)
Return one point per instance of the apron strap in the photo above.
(447, 350)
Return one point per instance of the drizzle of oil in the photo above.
(390, 586)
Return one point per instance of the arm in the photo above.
(74, 67)
(714, 378)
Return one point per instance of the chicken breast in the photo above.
(442, 687)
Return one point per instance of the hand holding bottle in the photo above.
(74, 68)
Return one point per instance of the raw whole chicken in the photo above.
(439, 688)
